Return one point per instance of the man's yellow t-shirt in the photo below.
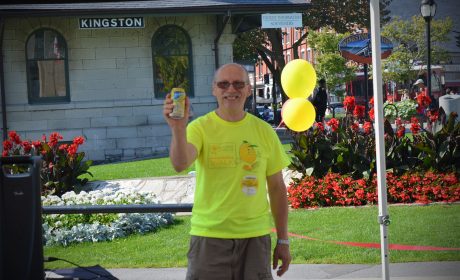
(233, 162)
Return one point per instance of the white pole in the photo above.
(383, 217)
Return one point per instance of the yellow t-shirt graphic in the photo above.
(234, 159)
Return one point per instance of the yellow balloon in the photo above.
(298, 78)
(298, 114)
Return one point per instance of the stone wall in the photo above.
(111, 84)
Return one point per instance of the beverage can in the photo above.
(178, 97)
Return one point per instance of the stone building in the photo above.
(100, 70)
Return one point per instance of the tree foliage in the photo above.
(330, 65)
(343, 16)
(410, 48)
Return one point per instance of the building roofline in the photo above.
(161, 7)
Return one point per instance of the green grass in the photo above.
(435, 225)
(157, 167)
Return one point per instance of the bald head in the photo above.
(235, 65)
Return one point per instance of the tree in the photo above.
(409, 39)
(341, 16)
(330, 65)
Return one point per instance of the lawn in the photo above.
(156, 167)
(434, 225)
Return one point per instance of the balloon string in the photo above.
(281, 123)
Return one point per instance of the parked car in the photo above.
(270, 118)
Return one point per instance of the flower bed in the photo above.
(60, 229)
(62, 163)
(338, 190)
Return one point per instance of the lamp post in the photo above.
(428, 10)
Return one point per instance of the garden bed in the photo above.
(342, 190)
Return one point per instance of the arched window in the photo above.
(172, 60)
(47, 67)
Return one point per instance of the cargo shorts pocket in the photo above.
(193, 247)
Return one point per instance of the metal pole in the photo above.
(383, 217)
(366, 88)
(276, 120)
(428, 63)
(2, 82)
(128, 208)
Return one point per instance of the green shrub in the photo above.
(347, 146)
(403, 109)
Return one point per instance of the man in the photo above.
(238, 159)
(321, 100)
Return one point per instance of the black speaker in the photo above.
(21, 253)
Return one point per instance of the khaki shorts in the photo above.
(229, 259)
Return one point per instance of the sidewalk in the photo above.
(399, 271)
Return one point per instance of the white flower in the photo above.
(68, 229)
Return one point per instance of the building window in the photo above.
(309, 58)
(47, 67)
(302, 54)
(172, 60)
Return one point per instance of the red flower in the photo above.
(367, 127)
(433, 115)
(349, 103)
(358, 112)
(398, 121)
(423, 100)
(27, 145)
(63, 147)
(37, 144)
(54, 139)
(79, 140)
(360, 194)
(371, 101)
(72, 149)
(415, 125)
(372, 114)
(7, 145)
(333, 123)
(401, 131)
(5, 153)
(320, 126)
(14, 137)
(355, 126)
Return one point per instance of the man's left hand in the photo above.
(282, 253)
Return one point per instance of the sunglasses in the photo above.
(226, 84)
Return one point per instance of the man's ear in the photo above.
(213, 90)
(249, 91)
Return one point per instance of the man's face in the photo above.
(231, 88)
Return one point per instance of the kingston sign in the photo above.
(123, 22)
